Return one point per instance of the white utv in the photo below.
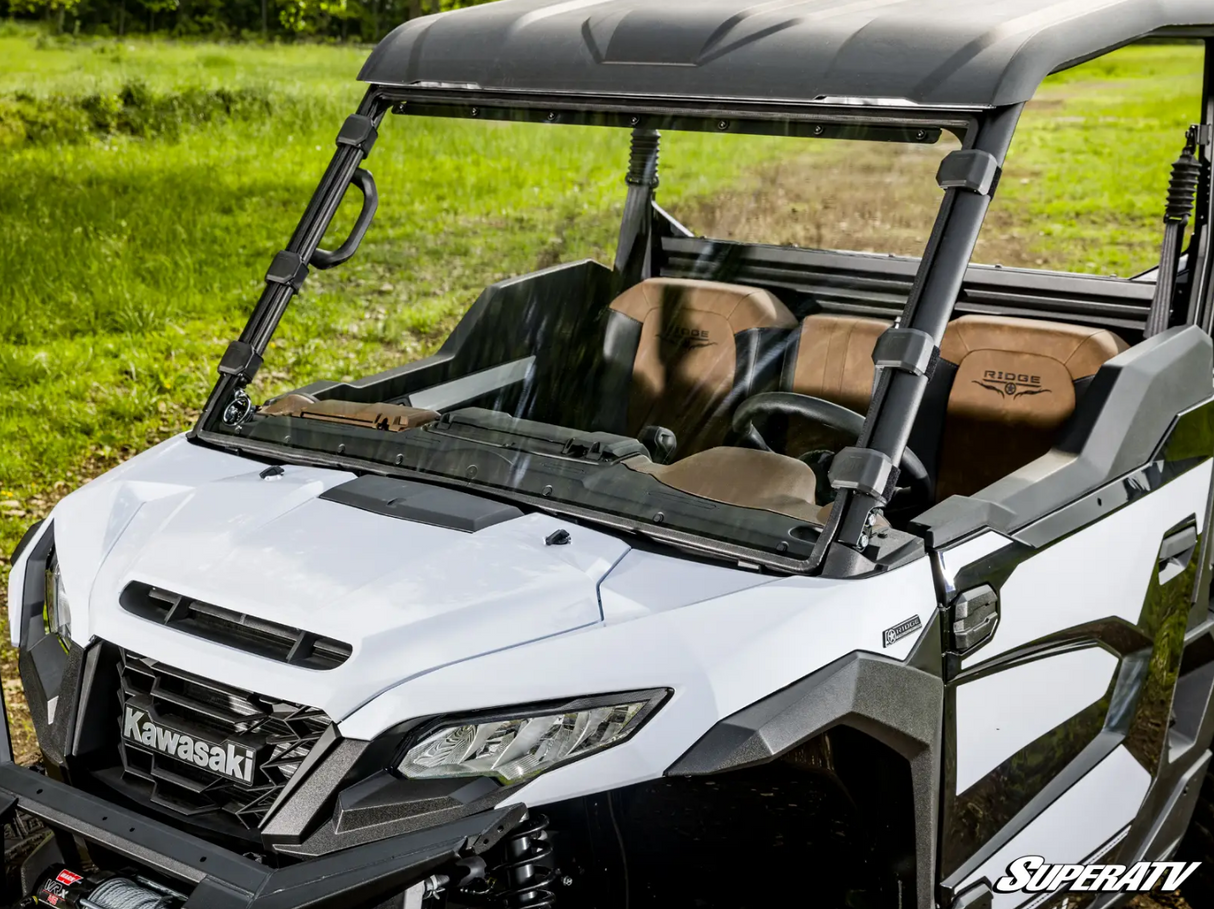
(730, 575)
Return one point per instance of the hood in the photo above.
(408, 597)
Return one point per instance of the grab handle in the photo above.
(322, 258)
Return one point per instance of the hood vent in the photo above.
(234, 629)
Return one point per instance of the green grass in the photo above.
(1088, 170)
(127, 262)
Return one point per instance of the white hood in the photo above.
(408, 597)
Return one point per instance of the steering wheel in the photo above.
(825, 413)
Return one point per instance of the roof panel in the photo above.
(931, 52)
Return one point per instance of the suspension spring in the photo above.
(526, 883)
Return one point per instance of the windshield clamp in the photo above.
(971, 169)
(907, 349)
(241, 360)
(358, 132)
(869, 472)
(288, 268)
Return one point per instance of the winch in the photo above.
(65, 889)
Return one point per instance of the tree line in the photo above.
(344, 20)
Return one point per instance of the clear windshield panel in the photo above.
(482, 337)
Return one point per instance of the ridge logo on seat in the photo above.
(230, 759)
(1011, 384)
(686, 338)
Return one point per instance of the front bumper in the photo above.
(222, 879)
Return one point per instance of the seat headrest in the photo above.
(743, 308)
(1082, 351)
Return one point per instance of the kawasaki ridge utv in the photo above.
(731, 575)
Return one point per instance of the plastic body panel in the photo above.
(444, 621)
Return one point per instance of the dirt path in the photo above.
(856, 196)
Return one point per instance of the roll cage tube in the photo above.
(290, 267)
(865, 475)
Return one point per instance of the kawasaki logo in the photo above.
(230, 759)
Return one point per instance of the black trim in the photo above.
(906, 349)
(248, 633)
(26, 539)
(970, 169)
(227, 880)
(892, 702)
(383, 806)
(286, 268)
(741, 117)
(422, 503)
(33, 591)
(360, 132)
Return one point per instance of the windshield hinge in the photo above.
(358, 132)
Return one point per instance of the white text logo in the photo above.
(229, 759)
(1033, 874)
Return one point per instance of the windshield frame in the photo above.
(884, 425)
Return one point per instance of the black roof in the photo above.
(971, 53)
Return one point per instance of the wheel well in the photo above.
(833, 816)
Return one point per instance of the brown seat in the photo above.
(682, 354)
(831, 358)
(743, 477)
(1017, 381)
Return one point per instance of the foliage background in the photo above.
(365, 20)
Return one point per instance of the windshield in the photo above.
(522, 321)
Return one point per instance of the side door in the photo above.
(1078, 670)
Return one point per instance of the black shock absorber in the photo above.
(525, 875)
(1186, 173)
(633, 255)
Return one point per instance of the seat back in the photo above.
(682, 354)
(831, 358)
(1016, 382)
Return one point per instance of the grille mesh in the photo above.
(281, 735)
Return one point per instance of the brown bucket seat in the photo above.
(1016, 382)
(831, 358)
(682, 354)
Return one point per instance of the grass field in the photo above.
(144, 188)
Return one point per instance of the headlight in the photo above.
(56, 614)
(515, 746)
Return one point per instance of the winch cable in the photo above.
(1186, 173)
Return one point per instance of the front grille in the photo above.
(234, 629)
(279, 734)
